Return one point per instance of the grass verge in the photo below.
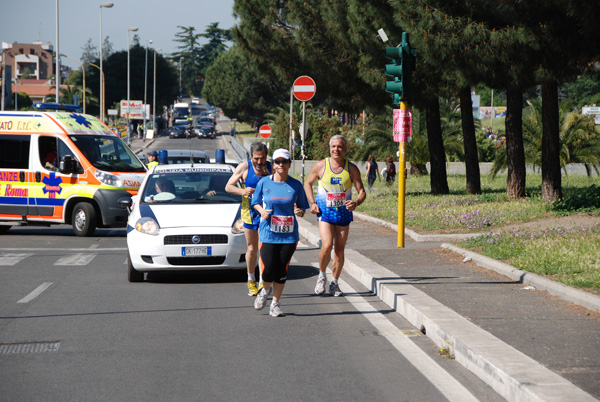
(567, 255)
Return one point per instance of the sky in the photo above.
(26, 21)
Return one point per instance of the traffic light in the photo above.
(403, 60)
(394, 70)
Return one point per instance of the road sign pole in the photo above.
(303, 133)
(401, 184)
(291, 127)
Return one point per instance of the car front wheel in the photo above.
(133, 275)
(84, 219)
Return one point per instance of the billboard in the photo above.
(137, 110)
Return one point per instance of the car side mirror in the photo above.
(125, 202)
(67, 165)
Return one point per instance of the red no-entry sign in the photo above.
(304, 88)
(265, 131)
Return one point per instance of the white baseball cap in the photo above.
(281, 153)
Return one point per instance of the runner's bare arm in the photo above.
(358, 185)
(231, 186)
(313, 176)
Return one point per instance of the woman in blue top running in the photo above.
(278, 199)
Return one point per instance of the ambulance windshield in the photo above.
(108, 153)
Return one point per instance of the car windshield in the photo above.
(107, 153)
(190, 186)
(180, 113)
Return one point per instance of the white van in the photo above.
(64, 168)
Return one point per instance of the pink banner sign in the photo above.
(402, 125)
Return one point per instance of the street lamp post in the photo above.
(180, 64)
(103, 89)
(145, 89)
(57, 60)
(133, 29)
(16, 96)
(83, 72)
(103, 5)
(154, 96)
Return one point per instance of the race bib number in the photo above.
(335, 200)
(282, 224)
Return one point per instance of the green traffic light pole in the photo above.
(400, 70)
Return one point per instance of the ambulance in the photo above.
(59, 167)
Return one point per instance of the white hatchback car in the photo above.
(182, 219)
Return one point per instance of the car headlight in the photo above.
(147, 226)
(238, 227)
(108, 178)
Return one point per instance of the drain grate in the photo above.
(29, 347)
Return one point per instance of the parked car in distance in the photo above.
(178, 131)
(207, 122)
(183, 219)
(205, 132)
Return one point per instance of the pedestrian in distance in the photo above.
(372, 172)
(278, 199)
(250, 172)
(152, 159)
(335, 177)
(390, 171)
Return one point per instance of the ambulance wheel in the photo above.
(133, 275)
(84, 219)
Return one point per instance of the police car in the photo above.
(182, 219)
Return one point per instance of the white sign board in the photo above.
(475, 104)
(592, 110)
(137, 110)
(113, 112)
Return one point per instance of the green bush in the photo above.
(583, 200)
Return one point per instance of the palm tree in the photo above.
(580, 140)
(68, 91)
(452, 130)
(378, 139)
(417, 150)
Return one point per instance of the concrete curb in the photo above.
(579, 297)
(512, 374)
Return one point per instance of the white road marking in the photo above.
(12, 259)
(62, 249)
(440, 378)
(38, 291)
(75, 259)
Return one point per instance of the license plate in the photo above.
(195, 251)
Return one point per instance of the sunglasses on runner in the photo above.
(281, 161)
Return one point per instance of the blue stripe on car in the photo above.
(147, 212)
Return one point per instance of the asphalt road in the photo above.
(73, 328)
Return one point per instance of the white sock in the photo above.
(322, 275)
(251, 277)
(333, 280)
(274, 303)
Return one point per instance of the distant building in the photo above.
(33, 65)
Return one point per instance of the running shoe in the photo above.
(260, 300)
(260, 286)
(334, 290)
(320, 288)
(252, 290)
(275, 311)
